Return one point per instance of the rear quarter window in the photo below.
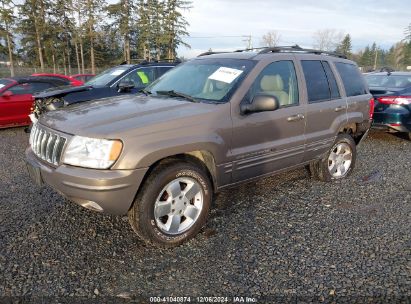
(352, 79)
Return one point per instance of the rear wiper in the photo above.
(145, 92)
(173, 93)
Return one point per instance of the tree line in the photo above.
(371, 57)
(75, 34)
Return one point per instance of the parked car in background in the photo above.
(120, 80)
(70, 81)
(392, 93)
(211, 123)
(16, 97)
(83, 77)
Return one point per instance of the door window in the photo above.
(279, 80)
(335, 93)
(21, 89)
(351, 77)
(141, 77)
(30, 88)
(316, 79)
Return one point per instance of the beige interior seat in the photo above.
(214, 89)
(274, 85)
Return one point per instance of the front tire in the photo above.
(338, 162)
(172, 205)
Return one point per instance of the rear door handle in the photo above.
(296, 117)
(340, 108)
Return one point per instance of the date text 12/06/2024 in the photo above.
(239, 299)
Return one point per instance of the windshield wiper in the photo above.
(173, 93)
(145, 92)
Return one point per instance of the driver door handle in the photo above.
(295, 117)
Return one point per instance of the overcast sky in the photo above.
(216, 23)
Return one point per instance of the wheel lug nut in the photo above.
(172, 210)
(180, 197)
(173, 202)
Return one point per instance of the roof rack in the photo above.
(145, 61)
(211, 53)
(225, 52)
(280, 49)
(297, 49)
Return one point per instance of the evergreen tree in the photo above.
(344, 47)
(7, 20)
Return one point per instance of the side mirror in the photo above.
(7, 94)
(260, 103)
(125, 86)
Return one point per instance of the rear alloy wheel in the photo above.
(172, 205)
(338, 162)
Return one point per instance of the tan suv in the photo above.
(213, 122)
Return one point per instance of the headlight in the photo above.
(92, 152)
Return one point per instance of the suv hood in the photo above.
(61, 91)
(114, 117)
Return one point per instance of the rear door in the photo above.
(269, 141)
(356, 91)
(326, 109)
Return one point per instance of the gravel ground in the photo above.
(285, 238)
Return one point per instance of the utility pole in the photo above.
(249, 41)
(375, 58)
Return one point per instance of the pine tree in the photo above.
(122, 15)
(7, 20)
(344, 47)
(175, 26)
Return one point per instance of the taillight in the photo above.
(372, 105)
(395, 100)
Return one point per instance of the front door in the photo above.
(15, 105)
(270, 141)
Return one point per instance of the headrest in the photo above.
(272, 83)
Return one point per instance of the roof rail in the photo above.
(211, 53)
(146, 61)
(297, 49)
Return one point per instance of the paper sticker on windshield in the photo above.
(1, 85)
(226, 75)
(117, 72)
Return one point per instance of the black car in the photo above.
(122, 79)
(392, 97)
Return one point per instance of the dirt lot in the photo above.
(285, 237)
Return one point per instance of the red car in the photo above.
(16, 97)
(70, 80)
(83, 77)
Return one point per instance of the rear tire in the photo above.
(409, 135)
(338, 162)
(172, 205)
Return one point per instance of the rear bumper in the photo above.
(394, 120)
(109, 191)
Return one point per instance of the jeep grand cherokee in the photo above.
(214, 122)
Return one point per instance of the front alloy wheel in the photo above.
(172, 205)
(178, 206)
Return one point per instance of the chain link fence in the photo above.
(26, 71)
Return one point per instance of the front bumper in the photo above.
(109, 191)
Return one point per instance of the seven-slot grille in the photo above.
(46, 145)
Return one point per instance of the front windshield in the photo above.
(389, 81)
(106, 77)
(204, 79)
